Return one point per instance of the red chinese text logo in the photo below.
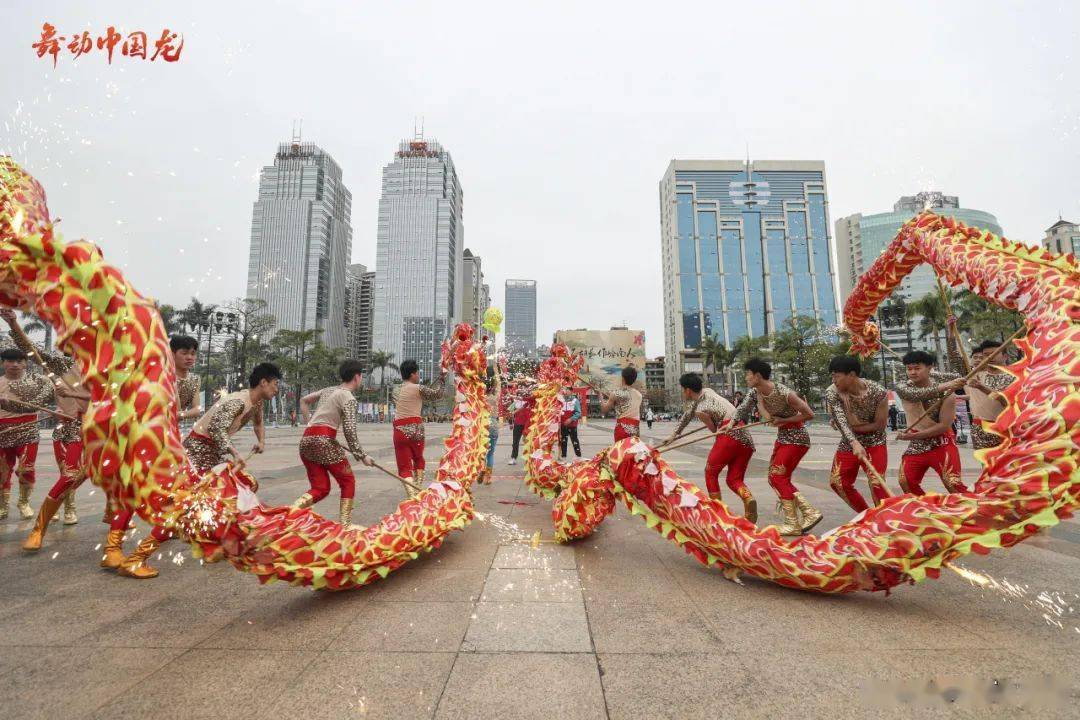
(134, 45)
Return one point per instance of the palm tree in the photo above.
(170, 317)
(932, 315)
(382, 360)
(715, 354)
(33, 323)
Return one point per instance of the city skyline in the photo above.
(560, 152)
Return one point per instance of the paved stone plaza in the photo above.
(621, 625)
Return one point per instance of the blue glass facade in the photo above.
(753, 251)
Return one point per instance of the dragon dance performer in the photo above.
(322, 456)
(73, 401)
(731, 449)
(626, 401)
(859, 409)
(409, 422)
(208, 444)
(781, 406)
(983, 397)
(19, 433)
(185, 353)
(932, 442)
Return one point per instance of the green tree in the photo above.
(250, 340)
(801, 349)
(984, 320)
(382, 360)
(289, 350)
(715, 355)
(748, 347)
(932, 316)
(32, 323)
(170, 317)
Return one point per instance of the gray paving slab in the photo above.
(523, 686)
(73, 682)
(489, 625)
(200, 683)
(528, 627)
(390, 686)
(406, 627)
(531, 585)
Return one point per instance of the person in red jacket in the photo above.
(571, 413)
(523, 410)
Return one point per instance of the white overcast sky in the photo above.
(560, 116)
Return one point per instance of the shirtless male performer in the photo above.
(732, 449)
(334, 407)
(626, 401)
(859, 409)
(782, 407)
(932, 442)
(72, 401)
(409, 422)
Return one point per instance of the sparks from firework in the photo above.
(1053, 606)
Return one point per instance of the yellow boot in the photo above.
(346, 508)
(790, 526)
(114, 550)
(45, 514)
(5, 501)
(23, 503)
(749, 504)
(304, 501)
(811, 516)
(135, 565)
(70, 516)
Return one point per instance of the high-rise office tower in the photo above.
(418, 259)
(475, 294)
(301, 242)
(521, 317)
(360, 286)
(745, 246)
(861, 239)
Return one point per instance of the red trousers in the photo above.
(845, 470)
(68, 459)
(318, 474)
(732, 454)
(122, 518)
(785, 458)
(409, 452)
(945, 461)
(623, 426)
(18, 460)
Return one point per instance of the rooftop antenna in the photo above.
(418, 134)
(297, 131)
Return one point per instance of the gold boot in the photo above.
(45, 514)
(790, 525)
(70, 516)
(135, 565)
(23, 503)
(811, 516)
(109, 514)
(304, 501)
(114, 550)
(418, 480)
(345, 511)
(5, 501)
(346, 515)
(749, 504)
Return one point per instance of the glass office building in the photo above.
(861, 239)
(745, 247)
(520, 300)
